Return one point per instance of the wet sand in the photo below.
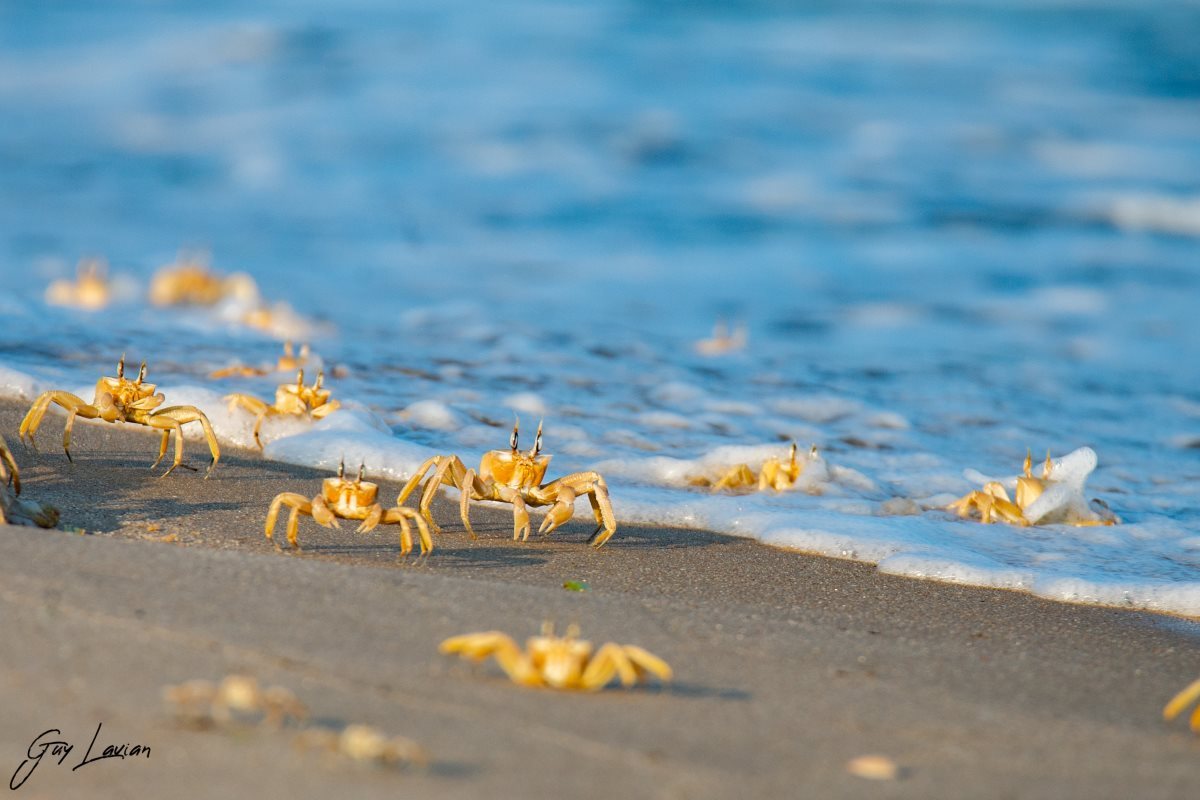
(787, 665)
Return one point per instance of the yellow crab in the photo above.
(89, 290)
(561, 662)
(189, 282)
(121, 400)
(723, 340)
(290, 398)
(286, 363)
(1189, 695)
(278, 320)
(364, 743)
(353, 500)
(993, 503)
(14, 510)
(510, 476)
(776, 474)
(238, 698)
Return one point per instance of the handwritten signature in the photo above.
(43, 744)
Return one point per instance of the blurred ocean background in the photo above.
(953, 230)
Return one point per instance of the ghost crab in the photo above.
(1055, 497)
(561, 662)
(778, 474)
(90, 290)
(189, 282)
(347, 499)
(295, 399)
(286, 363)
(238, 698)
(122, 400)
(14, 510)
(510, 476)
(364, 743)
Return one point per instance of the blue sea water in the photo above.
(952, 230)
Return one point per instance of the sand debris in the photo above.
(238, 701)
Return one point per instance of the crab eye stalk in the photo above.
(142, 373)
(342, 468)
(361, 468)
(320, 380)
(121, 367)
(512, 440)
(300, 379)
(537, 441)
(792, 454)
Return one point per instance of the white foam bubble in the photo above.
(432, 414)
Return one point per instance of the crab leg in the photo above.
(478, 646)
(646, 662)
(992, 503)
(11, 475)
(33, 419)
(162, 448)
(416, 478)
(475, 488)
(592, 484)
(183, 415)
(452, 472)
(1179, 702)
(429, 491)
(168, 425)
(610, 660)
(249, 403)
(406, 536)
(322, 411)
(401, 516)
(254, 406)
(736, 478)
(299, 504)
(86, 411)
(239, 370)
(258, 421)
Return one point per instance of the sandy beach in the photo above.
(787, 666)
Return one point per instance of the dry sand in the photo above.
(788, 666)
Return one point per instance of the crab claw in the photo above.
(322, 514)
(520, 523)
(560, 512)
(372, 519)
(556, 516)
